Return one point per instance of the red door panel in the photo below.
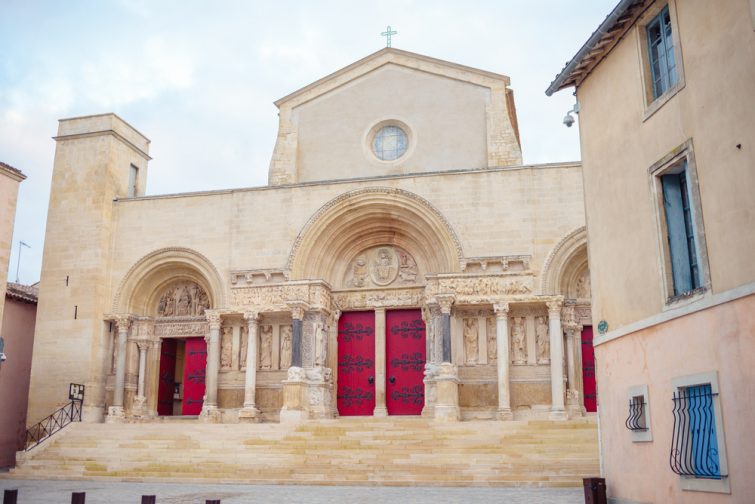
(405, 362)
(588, 370)
(195, 364)
(356, 363)
(167, 377)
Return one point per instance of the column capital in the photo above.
(143, 345)
(252, 317)
(445, 301)
(554, 307)
(297, 309)
(501, 310)
(213, 318)
(434, 308)
(122, 321)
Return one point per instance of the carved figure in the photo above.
(407, 268)
(184, 303)
(542, 340)
(492, 341)
(266, 347)
(183, 299)
(359, 271)
(383, 267)
(583, 286)
(285, 353)
(226, 347)
(244, 346)
(518, 341)
(470, 341)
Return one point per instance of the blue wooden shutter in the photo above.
(702, 427)
(677, 233)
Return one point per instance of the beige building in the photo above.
(10, 178)
(668, 134)
(401, 261)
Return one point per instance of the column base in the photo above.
(504, 414)
(139, 407)
(447, 393)
(249, 414)
(210, 414)
(115, 414)
(559, 414)
(380, 412)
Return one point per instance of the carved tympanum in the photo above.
(382, 266)
(183, 299)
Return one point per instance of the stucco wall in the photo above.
(719, 339)
(445, 119)
(18, 330)
(619, 146)
(9, 182)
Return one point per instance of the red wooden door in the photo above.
(588, 371)
(195, 364)
(356, 363)
(405, 362)
(167, 377)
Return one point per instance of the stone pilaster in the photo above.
(557, 360)
(297, 316)
(139, 408)
(572, 330)
(503, 360)
(380, 408)
(434, 352)
(210, 412)
(250, 413)
(115, 411)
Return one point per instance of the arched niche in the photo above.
(140, 291)
(566, 270)
(373, 217)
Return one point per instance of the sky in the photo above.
(199, 78)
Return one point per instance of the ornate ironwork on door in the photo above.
(356, 364)
(405, 358)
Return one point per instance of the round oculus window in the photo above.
(389, 143)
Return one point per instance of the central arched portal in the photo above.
(375, 247)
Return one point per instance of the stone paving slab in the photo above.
(97, 492)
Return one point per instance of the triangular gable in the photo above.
(386, 56)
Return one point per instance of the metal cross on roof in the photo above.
(387, 34)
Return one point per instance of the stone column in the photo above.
(123, 322)
(297, 316)
(380, 409)
(503, 360)
(139, 407)
(557, 360)
(153, 376)
(572, 330)
(445, 302)
(250, 413)
(433, 323)
(210, 407)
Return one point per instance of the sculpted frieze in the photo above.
(180, 329)
(379, 299)
(481, 287)
(276, 297)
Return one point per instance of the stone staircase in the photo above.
(346, 451)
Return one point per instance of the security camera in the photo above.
(3, 358)
(568, 120)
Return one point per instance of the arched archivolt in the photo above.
(566, 264)
(369, 217)
(139, 290)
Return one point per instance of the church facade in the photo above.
(401, 261)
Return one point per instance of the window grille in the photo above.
(694, 445)
(636, 421)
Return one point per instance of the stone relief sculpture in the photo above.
(384, 270)
(542, 340)
(518, 341)
(285, 351)
(471, 345)
(266, 347)
(226, 348)
(244, 346)
(492, 340)
(382, 266)
(183, 299)
(583, 289)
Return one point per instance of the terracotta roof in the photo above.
(25, 293)
(600, 43)
(12, 171)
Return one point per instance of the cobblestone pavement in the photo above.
(99, 492)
